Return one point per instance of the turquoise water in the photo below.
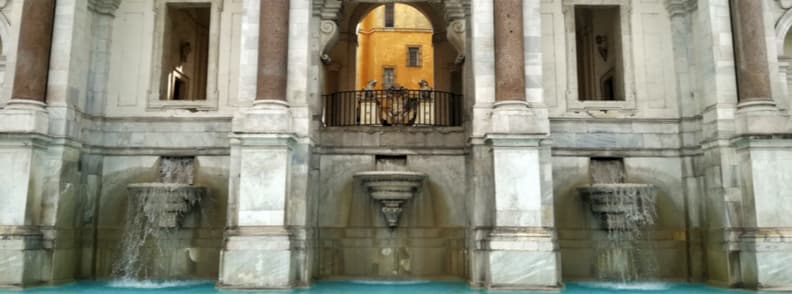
(352, 287)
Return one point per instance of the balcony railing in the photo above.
(399, 107)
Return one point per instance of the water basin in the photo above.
(368, 287)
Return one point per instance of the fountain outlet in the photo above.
(624, 211)
(392, 189)
(621, 206)
(155, 226)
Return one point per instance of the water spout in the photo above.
(154, 216)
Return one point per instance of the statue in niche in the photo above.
(184, 52)
(602, 46)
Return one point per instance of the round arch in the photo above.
(782, 29)
(340, 71)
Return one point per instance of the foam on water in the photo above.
(363, 287)
(151, 284)
(387, 282)
(644, 286)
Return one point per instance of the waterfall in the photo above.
(154, 215)
(625, 211)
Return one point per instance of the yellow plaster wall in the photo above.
(379, 47)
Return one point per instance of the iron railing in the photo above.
(397, 107)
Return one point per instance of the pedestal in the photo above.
(23, 128)
(262, 250)
(520, 250)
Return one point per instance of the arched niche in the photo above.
(339, 42)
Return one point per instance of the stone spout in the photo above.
(392, 189)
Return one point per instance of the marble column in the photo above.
(750, 51)
(33, 51)
(509, 50)
(273, 50)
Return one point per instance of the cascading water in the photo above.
(625, 211)
(154, 215)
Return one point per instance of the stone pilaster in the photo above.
(512, 185)
(263, 247)
(24, 125)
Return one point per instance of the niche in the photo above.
(185, 54)
(599, 53)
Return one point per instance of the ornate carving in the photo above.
(456, 36)
(107, 7)
(329, 11)
(328, 36)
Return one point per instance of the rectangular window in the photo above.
(599, 54)
(389, 15)
(185, 55)
(414, 56)
(388, 77)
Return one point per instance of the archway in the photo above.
(439, 28)
(341, 43)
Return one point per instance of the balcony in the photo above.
(395, 107)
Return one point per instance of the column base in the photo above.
(24, 116)
(25, 262)
(266, 116)
(765, 255)
(518, 117)
(520, 259)
(269, 259)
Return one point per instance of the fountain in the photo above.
(154, 216)
(392, 189)
(624, 211)
(392, 185)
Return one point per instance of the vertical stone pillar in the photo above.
(509, 50)
(532, 26)
(750, 51)
(516, 199)
(262, 249)
(33, 51)
(273, 50)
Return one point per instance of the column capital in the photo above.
(106, 7)
(680, 7)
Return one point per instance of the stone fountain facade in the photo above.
(705, 119)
